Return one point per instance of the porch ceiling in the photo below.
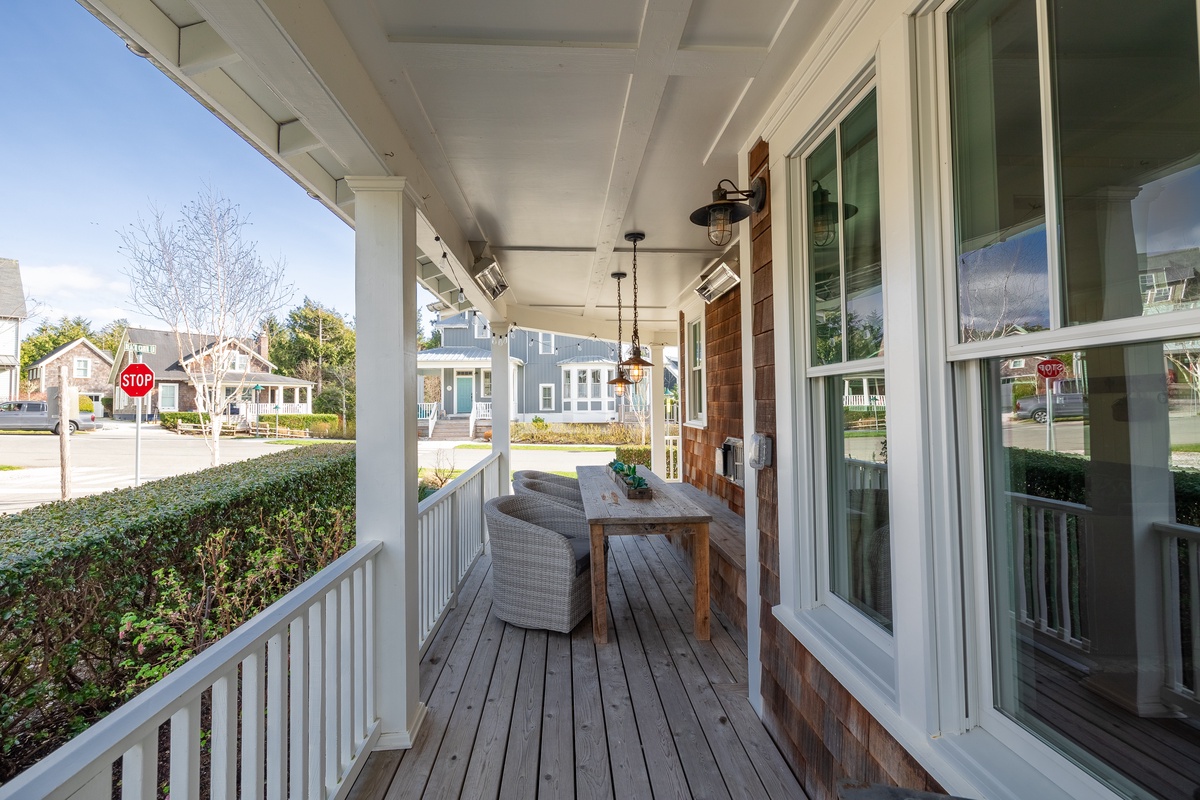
(546, 128)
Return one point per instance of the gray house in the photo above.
(12, 311)
(558, 378)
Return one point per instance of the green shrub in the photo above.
(574, 433)
(540, 423)
(300, 422)
(1023, 389)
(71, 572)
(86, 406)
(107, 404)
(171, 419)
(331, 430)
(634, 454)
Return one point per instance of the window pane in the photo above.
(821, 169)
(860, 564)
(1094, 535)
(999, 189)
(861, 237)
(1127, 92)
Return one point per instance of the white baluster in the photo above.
(185, 752)
(360, 656)
(224, 737)
(346, 673)
(253, 704)
(316, 700)
(369, 626)
(276, 719)
(298, 707)
(332, 676)
(139, 770)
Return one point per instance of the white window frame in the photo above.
(479, 325)
(545, 344)
(162, 391)
(86, 363)
(693, 325)
(485, 383)
(542, 387)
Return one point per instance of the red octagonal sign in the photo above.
(137, 380)
(1051, 368)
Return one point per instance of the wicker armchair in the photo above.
(548, 477)
(549, 491)
(542, 574)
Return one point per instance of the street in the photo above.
(102, 460)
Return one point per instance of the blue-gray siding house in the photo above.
(558, 378)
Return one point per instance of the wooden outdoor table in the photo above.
(610, 513)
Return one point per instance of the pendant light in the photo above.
(635, 364)
(620, 381)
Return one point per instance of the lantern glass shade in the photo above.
(619, 383)
(720, 224)
(635, 374)
(635, 367)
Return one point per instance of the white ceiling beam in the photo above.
(572, 58)
(202, 49)
(658, 46)
(295, 138)
(539, 319)
(560, 57)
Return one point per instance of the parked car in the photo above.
(1066, 404)
(33, 415)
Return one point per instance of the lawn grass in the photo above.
(308, 441)
(566, 447)
(1193, 447)
(6, 467)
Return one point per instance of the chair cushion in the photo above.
(581, 548)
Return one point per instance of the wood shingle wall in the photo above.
(824, 732)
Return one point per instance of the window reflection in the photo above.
(860, 532)
(1094, 497)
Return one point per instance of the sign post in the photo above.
(1050, 369)
(136, 381)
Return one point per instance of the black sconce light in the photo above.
(825, 216)
(720, 215)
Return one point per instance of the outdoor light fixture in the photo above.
(718, 282)
(489, 277)
(635, 366)
(620, 382)
(825, 216)
(437, 307)
(720, 215)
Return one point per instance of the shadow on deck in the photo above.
(524, 714)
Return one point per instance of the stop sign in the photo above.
(1051, 368)
(137, 380)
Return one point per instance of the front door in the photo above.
(464, 390)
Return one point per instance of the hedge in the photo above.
(574, 433)
(70, 570)
(171, 419)
(634, 454)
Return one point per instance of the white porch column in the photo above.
(385, 279)
(501, 402)
(658, 412)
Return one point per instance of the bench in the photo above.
(727, 554)
(267, 429)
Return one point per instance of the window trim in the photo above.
(479, 327)
(86, 363)
(545, 345)
(542, 396)
(694, 320)
(485, 382)
(162, 387)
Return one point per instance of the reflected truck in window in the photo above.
(1069, 401)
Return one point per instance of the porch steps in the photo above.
(449, 429)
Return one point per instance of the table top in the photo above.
(604, 503)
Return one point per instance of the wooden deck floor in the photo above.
(525, 714)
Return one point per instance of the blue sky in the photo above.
(92, 136)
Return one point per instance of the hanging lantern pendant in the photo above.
(620, 381)
(635, 365)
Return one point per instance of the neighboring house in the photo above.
(1167, 280)
(88, 370)
(12, 311)
(251, 375)
(558, 378)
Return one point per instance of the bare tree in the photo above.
(202, 276)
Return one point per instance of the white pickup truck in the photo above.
(33, 415)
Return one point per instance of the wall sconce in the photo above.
(437, 307)
(720, 215)
(718, 282)
(489, 277)
(825, 216)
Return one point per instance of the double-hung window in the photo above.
(545, 344)
(546, 397)
(83, 368)
(695, 402)
(839, 177)
(1074, 129)
(485, 383)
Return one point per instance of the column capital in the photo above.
(500, 328)
(372, 183)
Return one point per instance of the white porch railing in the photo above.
(296, 721)
(478, 411)
(1050, 543)
(269, 409)
(1181, 607)
(865, 475)
(673, 455)
(429, 412)
(451, 533)
(864, 400)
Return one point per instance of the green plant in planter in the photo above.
(637, 483)
(630, 470)
(616, 466)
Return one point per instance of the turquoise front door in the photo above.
(464, 387)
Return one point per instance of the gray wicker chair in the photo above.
(548, 477)
(541, 573)
(550, 491)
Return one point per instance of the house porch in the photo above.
(654, 713)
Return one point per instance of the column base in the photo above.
(403, 740)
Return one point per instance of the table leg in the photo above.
(700, 567)
(599, 586)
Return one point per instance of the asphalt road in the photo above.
(103, 460)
